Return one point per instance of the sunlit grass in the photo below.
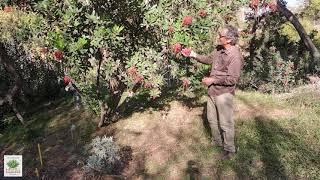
(277, 136)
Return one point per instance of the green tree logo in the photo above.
(13, 164)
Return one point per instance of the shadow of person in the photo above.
(193, 170)
(205, 123)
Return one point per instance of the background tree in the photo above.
(26, 74)
(278, 59)
(301, 31)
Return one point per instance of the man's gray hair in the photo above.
(232, 34)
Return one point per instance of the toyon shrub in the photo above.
(58, 55)
(187, 21)
(96, 41)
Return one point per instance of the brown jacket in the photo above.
(226, 67)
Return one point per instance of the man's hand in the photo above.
(188, 52)
(207, 81)
(193, 54)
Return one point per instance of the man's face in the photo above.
(222, 39)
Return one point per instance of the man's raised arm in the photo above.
(205, 59)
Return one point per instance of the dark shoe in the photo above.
(228, 155)
(225, 155)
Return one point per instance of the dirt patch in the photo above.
(60, 147)
(163, 142)
(173, 144)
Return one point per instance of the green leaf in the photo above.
(117, 29)
(13, 164)
(59, 44)
(81, 42)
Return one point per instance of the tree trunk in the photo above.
(13, 91)
(108, 110)
(104, 111)
(301, 31)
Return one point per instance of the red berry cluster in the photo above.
(66, 80)
(139, 78)
(133, 72)
(147, 85)
(272, 6)
(170, 29)
(202, 13)
(58, 55)
(7, 9)
(187, 21)
(185, 83)
(176, 48)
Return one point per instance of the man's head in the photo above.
(228, 36)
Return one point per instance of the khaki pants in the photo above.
(219, 114)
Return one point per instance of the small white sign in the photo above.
(12, 165)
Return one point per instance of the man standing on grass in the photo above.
(227, 62)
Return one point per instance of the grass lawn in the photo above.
(277, 137)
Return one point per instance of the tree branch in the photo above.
(301, 31)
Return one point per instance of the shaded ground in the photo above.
(277, 137)
(165, 143)
(51, 129)
(174, 143)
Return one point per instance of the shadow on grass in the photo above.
(36, 125)
(261, 157)
(268, 150)
(193, 171)
(50, 128)
(205, 122)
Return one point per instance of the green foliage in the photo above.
(278, 59)
(93, 39)
(13, 164)
(24, 27)
(312, 10)
(199, 35)
(279, 75)
(288, 30)
(23, 36)
(311, 13)
(149, 65)
(102, 40)
(281, 146)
